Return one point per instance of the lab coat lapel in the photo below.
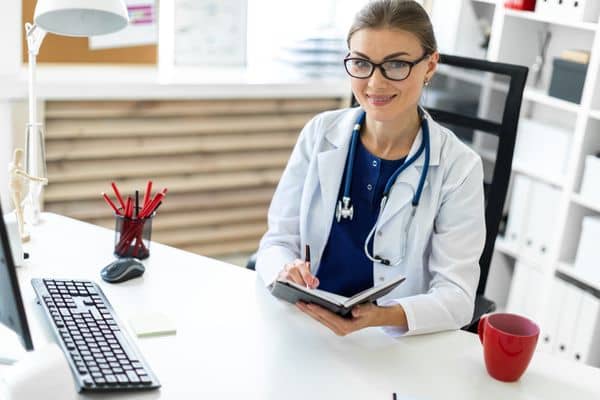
(332, 160)
(331, 167)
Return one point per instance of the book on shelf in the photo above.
(575, 55)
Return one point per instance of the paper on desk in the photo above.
(40, 373)
(152, 324)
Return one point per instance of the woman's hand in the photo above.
(299, 272)
(363, 316)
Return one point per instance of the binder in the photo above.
(517, 214)
(568, 318)
(550, 318)
(586, 342)
(525, 291)
(518, 289)
(541, 221)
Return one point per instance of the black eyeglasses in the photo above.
(394, 70)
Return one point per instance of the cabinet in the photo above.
(544, 206)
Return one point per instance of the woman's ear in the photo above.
(432, 63)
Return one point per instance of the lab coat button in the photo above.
(379, 233)
(381, 279)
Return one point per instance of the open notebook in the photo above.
(293, 292)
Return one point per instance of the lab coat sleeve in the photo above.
(456, 245)
(281, 243)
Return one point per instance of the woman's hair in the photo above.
(406, 15)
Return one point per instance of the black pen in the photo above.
(307, 258)
(394, 396)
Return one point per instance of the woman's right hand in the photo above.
(299, 272)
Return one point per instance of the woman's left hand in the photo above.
(363, 316)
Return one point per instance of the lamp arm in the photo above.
(35, 36)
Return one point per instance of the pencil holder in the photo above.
(132, 236)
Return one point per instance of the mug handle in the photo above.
(481, 327)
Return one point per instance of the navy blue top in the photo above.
(344, 268)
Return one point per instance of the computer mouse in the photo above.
(122, 270)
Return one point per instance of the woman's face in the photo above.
(383, 99)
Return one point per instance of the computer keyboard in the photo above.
(101, 355)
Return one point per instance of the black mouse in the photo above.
(122, 270)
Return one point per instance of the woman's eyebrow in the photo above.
(393, 55)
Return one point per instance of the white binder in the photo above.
(541, 220)
(518, 289)
(586, 341)
(525, 291)
(568, 319)
(519, 204)
(551, 318)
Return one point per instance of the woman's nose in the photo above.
(377, 79)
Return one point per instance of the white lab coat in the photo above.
(447, 234)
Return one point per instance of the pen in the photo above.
(394, 396)
(307, 258)
(137, 203)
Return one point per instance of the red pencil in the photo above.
(114, 186)
(110, 203)
(148, 193)
(149, 209)
(129, 208)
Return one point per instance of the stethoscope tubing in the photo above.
(345, 209)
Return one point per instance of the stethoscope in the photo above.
(345, 210)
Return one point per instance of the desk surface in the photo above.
(234, 339)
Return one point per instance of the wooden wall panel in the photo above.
(220, 159)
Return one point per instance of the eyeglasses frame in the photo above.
(411, 65)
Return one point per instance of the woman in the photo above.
(431, 228)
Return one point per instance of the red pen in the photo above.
(110, 203)
(121, 202)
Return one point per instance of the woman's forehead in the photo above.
(385, 41)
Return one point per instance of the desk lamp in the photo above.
(67, 18)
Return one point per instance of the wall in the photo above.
(10, 63)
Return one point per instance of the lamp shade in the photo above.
(81, 17)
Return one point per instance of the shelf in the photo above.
(595, 114)
(530, 15)
(538, 96)
(524, 169)
(582, 201)
(492, 2)
(569, 270)
(504, 246)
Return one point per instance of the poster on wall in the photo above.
(142, 29)
(210, 32)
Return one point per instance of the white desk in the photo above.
(235, 341)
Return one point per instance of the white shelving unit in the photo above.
(514, 38)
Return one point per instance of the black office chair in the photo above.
(506, 132)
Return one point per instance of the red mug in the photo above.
(508, 341)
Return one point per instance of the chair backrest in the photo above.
(513, 83)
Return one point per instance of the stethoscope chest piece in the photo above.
(344, 209)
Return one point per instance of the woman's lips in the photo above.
(380, 100)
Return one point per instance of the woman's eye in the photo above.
(396, 64)
(361, 64)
